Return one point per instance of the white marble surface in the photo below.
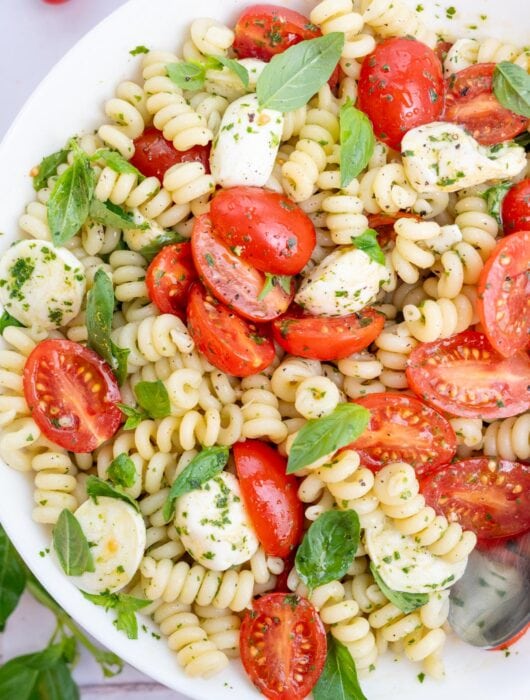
(34, 37)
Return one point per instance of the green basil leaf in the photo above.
(235, 67)
(271, 281)
(17, 681)
(406, 602)
(511, 85)
(12, 579)
(523, 140)
(322, 436)
(48, 167)
(367, 242)
(71, 545)
(291, 78)
(7, 320)
(56, 683)
(138, 50)
(97, 488)
(125, 607)
(110, 214)
(133, 415)
(203, 467)
(357, 142)
(339, 678)
(328, 548)
(187, 75)
(494, 197)
(116, 162)
(167, 238)
(153, 398)
(121, 471)
(99, 312)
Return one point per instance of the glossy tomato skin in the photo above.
(154, 154)
(270, 231)
(464, 376)
(270, 496)
(169, 278)
(516, 208)
(326, 338)
(470, 102)
(503, 303)
(404, 429)
(72, 394)
(233, 281)
(400, 87)
(490, 497)
(283, 646)
(230, 343)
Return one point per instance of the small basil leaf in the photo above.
(56, 683)
(323, 436)
(133, 415)
(48, 167)
(97, 488)
(17, 681)
(367, 242)
(291, 78)
(235, 67)
(110, 214)
(406, 602)
(511, 85)
(167, 238)
(357, 142)
(494, 197)
(202, 468)
(339, 678)
(523, 140)
(121, 471)
(328, 548)
(271, 281)
(138, 50)
(116, 162)
(71, 545)
(125, 607)
(7, 320)
(153, 398)
(12, 579)
(187, 75)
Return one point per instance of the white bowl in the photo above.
(69, 100)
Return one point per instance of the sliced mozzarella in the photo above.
(41, 285)
(116, 534)
(245, 148)
(214, 526)
(343, 283)
(442, 157)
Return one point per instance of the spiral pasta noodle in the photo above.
(129, 117)
(395, 18)
(509, 438)
(442, 318)
(55, 486)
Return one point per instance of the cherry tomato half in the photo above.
(169, 278)
(470, 101)
(270, 496)
(230, 343)
(503, 303)
(268, 230)
(400, 87)
(516, 208)
(283, 646)
(490, 497)
(404, 429)
(465, 376)
(325, 338)
(72, 394)
(154, 154)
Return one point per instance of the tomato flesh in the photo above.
(503, 303)
(516, 208)
(72, 394)
(169, 278)
(404, 429)
(490, 497)
(154, 154)
(270, 496)
(283, 646)
(268, 230)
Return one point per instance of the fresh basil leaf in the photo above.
(511, 85)
(110, 214)
(12, 579)
(71, 545)
(153, 398)
(328, 548)
(17, 681)
(357, 142)
(494, 197)
(7, 320)
(138, 50)
(116, 162)
(406, 602)
(69, 202)
(134, 416)
(97, 488)
(323, 436)
(99, 312)
(167, 238)
(291, 78)
(187, 75)
(271, 281)
(367, 242)
(56, 683)
(48, 167)
(121, 471)
(235, 67)
(203, 467)
(338, 680)
(125, 607)
(523, 140)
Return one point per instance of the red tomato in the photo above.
(503, 303)
(384, 225)
(154, 154)
(470, 101)
(233, 281)
(516, 208)
(400, 87)
(270, 231)
(270, 496)
(490, 497)
(324, 338)
(404, 429)
(169, 278)
(72, 394)
(230, 343)
(283, 646)
(465, 376)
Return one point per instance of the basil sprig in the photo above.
(110, 214)
(511, 85)
(7, 320)
(368, 243)
(153, 398)
(291, 78)
(12, 579)
(406, 602)
(122, 472)
(322, 436)
(133, 415)
(191, 75)
(71, 545)
(48, 167)
(125, 607)
(357, 142)
(97, 488)
(338, 680)
(328, 548)
(116, 162)
(494, 197)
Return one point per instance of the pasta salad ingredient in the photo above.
(516, 208)
(169, 278)
(154, 155)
